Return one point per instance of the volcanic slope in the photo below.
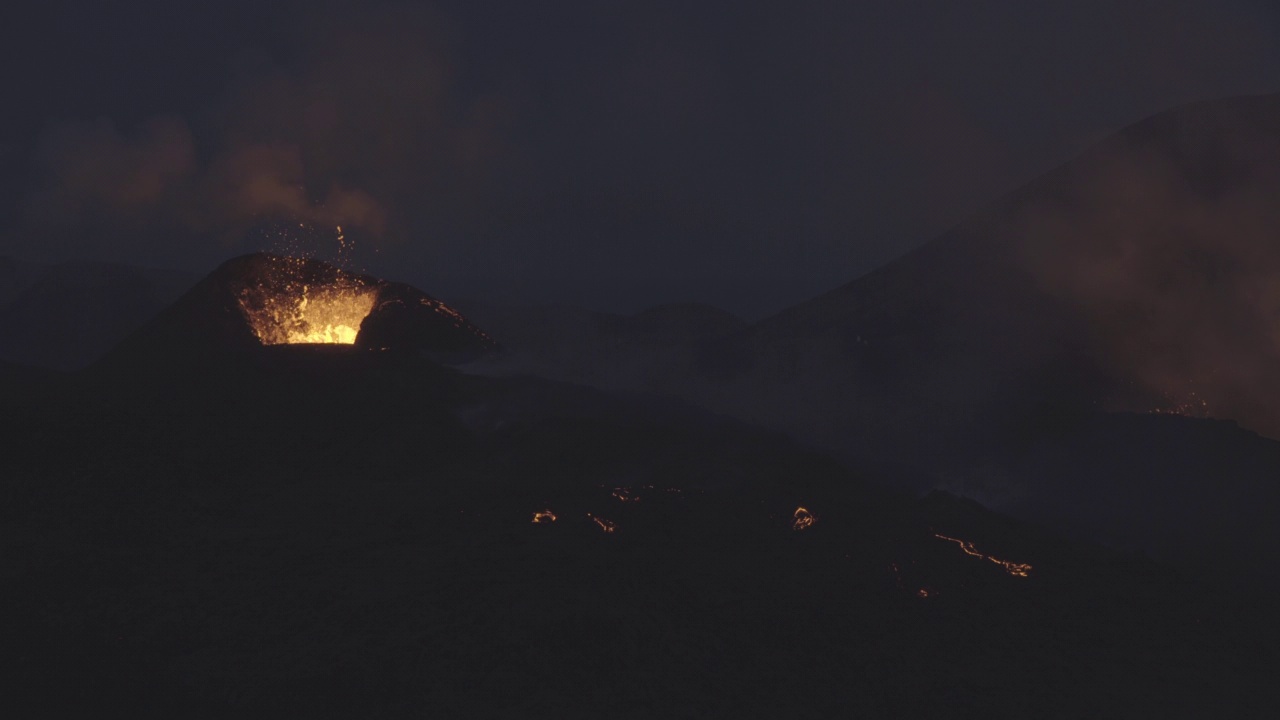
(1141, 277)
(262, 301)
(337, 531)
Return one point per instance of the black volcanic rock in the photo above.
(1195, 492)
(407, 318)
(212, 320)
(349, 533)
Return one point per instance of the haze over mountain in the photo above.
(1142, 276)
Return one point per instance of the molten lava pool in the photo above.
(286, 310)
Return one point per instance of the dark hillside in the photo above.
(333, 532)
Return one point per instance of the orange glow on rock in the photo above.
(285, 309)
(605, 525)
(544, 516)
(625, 495)
(1015, 569)
(803, 519)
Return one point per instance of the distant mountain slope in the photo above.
(1143, 275)
(65, 316)
(606, 350)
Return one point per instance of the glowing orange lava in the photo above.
(605, 525)
(1015, 569)
(284, 309)
(544, 516)
(804, 519)
(625, 495)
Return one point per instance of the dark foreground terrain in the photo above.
(326, 533)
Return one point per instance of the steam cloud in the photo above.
(1168, 238)
(361, 117)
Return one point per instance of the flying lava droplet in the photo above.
(803, 519)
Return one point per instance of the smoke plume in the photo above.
(1168, 238)
(354, 120)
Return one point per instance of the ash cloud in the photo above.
(617, 154)
(354, 118)
(1168, 238)
(93, 169)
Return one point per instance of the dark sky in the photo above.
(609, 153)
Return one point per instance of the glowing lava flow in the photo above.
(285, 309)
(804, 519)
(605, 525)
(545, 516)
(625, 495)
(1015, 569)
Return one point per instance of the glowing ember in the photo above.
(804, 519)
(605, 525)
(625, 495)
(286, 310)
(897, 575)
(923, 592)
(545, 516)
(1015, 569)
(1193, 407)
